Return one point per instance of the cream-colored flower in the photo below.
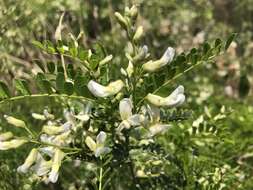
(15, 143)
(154, 124)
(105, 91)
(138, 34)
(6, 136)
(128, 118)
(98, 147)
(30, 160)
(42, 167)
(54, 130)
(56, 164)
(167, 57)
(14, 121)
(176, 98)
(105, 60)
(85, 114)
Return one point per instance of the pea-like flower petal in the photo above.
(176, 98)
(158, 129)
(125, 108)
(105, 91)
(101, 137)
(57, 159)
(31, 158)
(167, 57)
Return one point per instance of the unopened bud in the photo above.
(133, 12)
(138, 34)
(6, 136)
(122, 21)
(105, 60)
(16, 122)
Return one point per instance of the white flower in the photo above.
(54, 130)
(138, 34)
(105, 91)
(42, 167)
(142, 54)
(98, 147)
(85, 114)
(6, 136)
(105, 60)
(31, 158)
(167, 57)
(128, 119)
(15, 143)
(14, 121)
(176, 98)
(56, 163)
(155, 126)
(48, 150)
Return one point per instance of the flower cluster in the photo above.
(57, 139)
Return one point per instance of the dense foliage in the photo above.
(126, 94)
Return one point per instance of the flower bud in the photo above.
(121, 20)
(38, 116)
(31, 158)
(138, 34)
(133, 12)
(6, 136)
(54, 130)
(130, 69)
(16, 122)
(105, 91)
(105, 60)
(90, 143)
(15, 143)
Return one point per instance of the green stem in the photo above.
(64, 67)
(44, 95)
(29, 132)
(49, 144)
(100, 175)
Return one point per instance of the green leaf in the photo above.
(80, 85)
(49, 47)
(217, 42)
(51, 67)
(4, 91)
(83, 54)
(206, 48)
(43, 84)
(39, 64)
(22, 86)
(229, 40)
(38, 44)
(47, 86)
(60, 79)
(94, 61)
(244, 86)
(68, 88)
(99, 50)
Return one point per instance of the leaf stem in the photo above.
(100, 175)
(16, 98)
